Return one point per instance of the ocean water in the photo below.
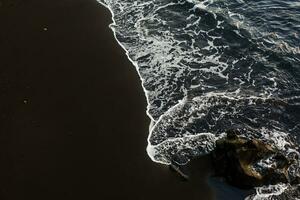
(208, 66)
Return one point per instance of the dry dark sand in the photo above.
(72, 111)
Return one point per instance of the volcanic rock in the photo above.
(248, 163)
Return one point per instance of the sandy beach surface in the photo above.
(72, 110)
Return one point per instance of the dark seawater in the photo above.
(213, 65)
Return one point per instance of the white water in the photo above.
(216, 88)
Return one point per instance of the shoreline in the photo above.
(73, 123)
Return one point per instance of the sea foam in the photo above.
(209, 66)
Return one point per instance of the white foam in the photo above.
(127, 53)
(166, 62)
(267, 192)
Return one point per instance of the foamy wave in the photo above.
(276, 192)
(209, 66)
(215, 113)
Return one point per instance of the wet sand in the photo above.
(72, 111)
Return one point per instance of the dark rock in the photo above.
(247, 163)
(244, 163)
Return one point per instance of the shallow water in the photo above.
(209, 66)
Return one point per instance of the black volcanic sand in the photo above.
(72, 110)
